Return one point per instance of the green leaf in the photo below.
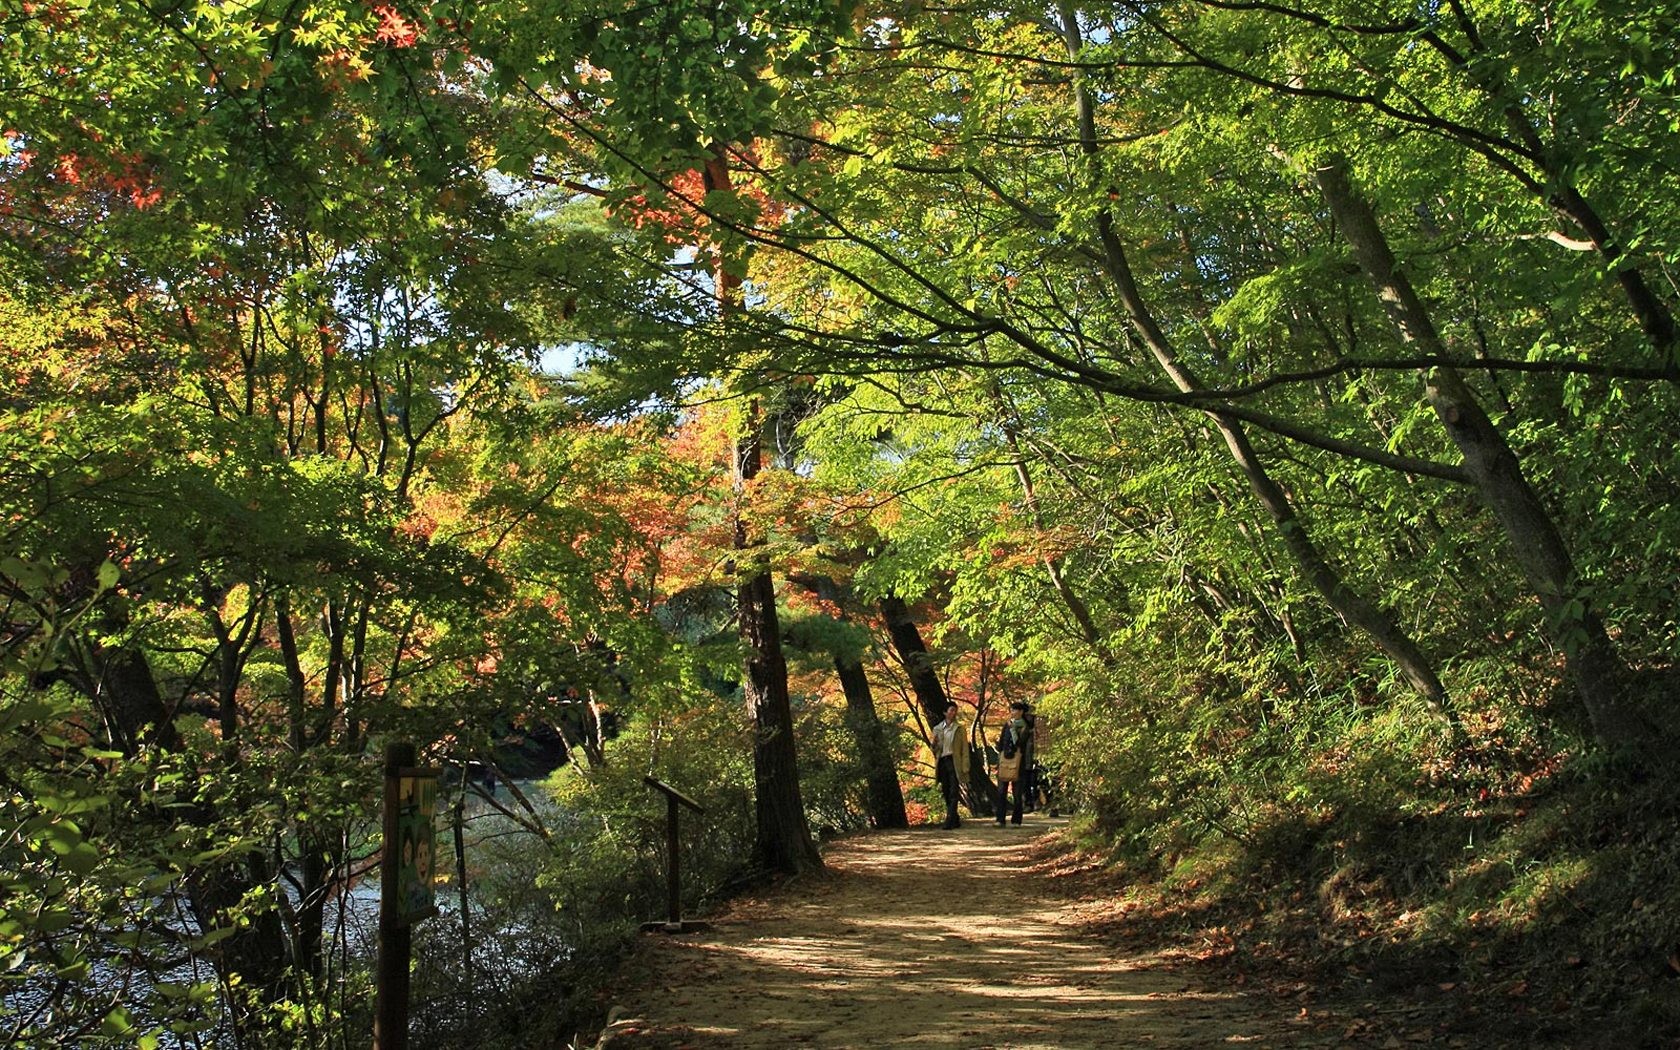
(118, 1023)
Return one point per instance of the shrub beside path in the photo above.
(970, 938)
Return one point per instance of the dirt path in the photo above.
(923, 938)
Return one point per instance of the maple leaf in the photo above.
(69, 168)
(344, 65)
(394, 29)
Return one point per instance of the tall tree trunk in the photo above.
(913, 654)
(593, 709)
(884, 794)
(1364, 614)
(1595, 667)
(784, 841)
(317, 857)
(930, 694)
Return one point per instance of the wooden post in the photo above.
(390, 989)
(673, 872)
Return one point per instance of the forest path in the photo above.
(925, 938)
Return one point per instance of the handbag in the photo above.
(1009, 766)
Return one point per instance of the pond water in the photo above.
(141, 982)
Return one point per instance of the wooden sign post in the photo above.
(673, 876)
(407, 851)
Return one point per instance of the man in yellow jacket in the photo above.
(950, 754)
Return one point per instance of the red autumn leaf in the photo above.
(394, 29)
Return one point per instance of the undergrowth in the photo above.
(558, 914)
(1497, 901)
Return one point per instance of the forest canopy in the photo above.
(1280, 397)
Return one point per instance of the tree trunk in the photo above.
(463, 901)
(930, 694)
(1364, 614)
(594, 739)
(884, 794)
(784, 840)
(123, 689)
(316, 864)
(1595, 667)
(256, 950)
(913, 654)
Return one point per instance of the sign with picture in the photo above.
(416, 843)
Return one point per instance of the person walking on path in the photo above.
(1015, 746)
(950, 754)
